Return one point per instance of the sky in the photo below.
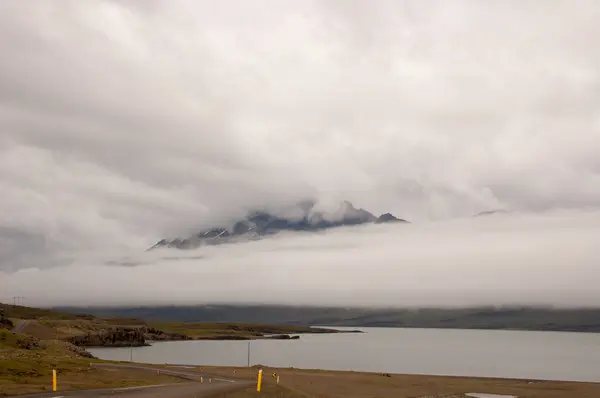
(122, 123)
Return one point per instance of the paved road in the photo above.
(16, 330)
(193, 389)
(20, 326)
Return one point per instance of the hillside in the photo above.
(26, 365)
(120, 330)
(80, 329)
(513, 318)
(22, 312)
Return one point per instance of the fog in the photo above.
(122, 123)
(549, 259)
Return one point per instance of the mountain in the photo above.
(258, 224)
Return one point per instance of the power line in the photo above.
(18, 300)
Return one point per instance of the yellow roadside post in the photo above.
(259, 382)
(201, 379)
(53, 379)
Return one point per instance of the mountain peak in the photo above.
(261, 223)
(388, 217)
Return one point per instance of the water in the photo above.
(508, 354)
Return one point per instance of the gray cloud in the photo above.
(122, 122)
(545, 259)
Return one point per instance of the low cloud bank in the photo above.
(547, 258)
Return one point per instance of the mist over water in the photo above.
(503, 259)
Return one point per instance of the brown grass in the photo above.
(297, 383)
(268, 391)
(30, 370)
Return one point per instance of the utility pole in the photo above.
(248, 354)
(18, 300)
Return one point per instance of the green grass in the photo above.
(8, 340)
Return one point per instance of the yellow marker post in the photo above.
(259, 382)
(201, 379)
(53, 380)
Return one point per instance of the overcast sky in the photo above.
(125, 122)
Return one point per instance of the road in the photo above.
(20, 326)
(193, 389)
(16, 330)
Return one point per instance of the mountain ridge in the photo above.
(259, 223)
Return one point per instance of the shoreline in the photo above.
(254, 368)
(219, 337)
(331, 383)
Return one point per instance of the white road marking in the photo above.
(228, 381)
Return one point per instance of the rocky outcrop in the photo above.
(158, 335)
(79, 351)
(283, 337)
(304, 217)
(27, 342)
(124, 337)
(6, 323)
(116, 337)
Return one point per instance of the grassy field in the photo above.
(26, 365)
(296, 383)
(202, 330)
(61, 329)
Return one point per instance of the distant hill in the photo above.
(258, 224)
(509, 318)
(22, 312)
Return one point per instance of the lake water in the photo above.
(510, 354)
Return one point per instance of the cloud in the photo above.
(548, 259)
(123, 123)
